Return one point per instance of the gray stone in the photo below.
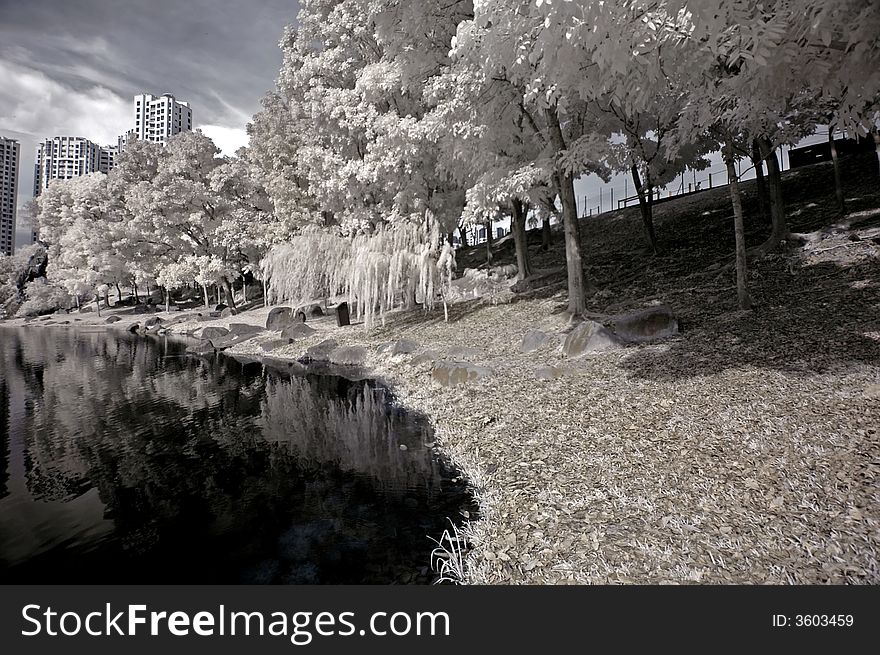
(112, 319)
(297, 331)
(202, 348)
(220, 307)
(142, 309)
(589, 337)
(348, 355)
(228, 312)
(535, 340)
(243, 329)
(133, 327)
(153, 321)
(222, 343)
(649, 324)
(404, 347)
(274, 344)
(279, 318)
(321, 352)
(451, 373)
(213, 332)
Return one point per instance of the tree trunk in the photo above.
(777, 205)
(217, 287)
(134, 291)
(207, 300)
(520, 240)
(876, 135)
(229, 293)
(546, 233)
(167, 299)
(489, 242)
(98, 302)
(578, 285)
(265, 293)
(742, 292)
(107, 298)
(118, 294)
(838, 186)
(646, 206)
(76, 297)
(763, 196)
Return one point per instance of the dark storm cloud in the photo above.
(221, 55)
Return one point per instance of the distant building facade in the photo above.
(66, 157)
(158, 118)
(10, 157)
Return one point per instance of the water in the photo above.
(123, 460)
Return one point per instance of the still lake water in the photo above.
(123, 460)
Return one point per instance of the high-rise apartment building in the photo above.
(158, 118)
(9, 164)
(63, 158)
(66, 157)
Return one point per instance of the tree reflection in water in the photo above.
(126, 461)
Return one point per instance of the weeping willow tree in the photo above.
(393, 265)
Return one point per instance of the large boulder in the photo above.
(279, 318)
(297, 331)
(243, 329)
(425, 358)
(535, 340)
(133, 327)
(229, 312)
(648, 324)
(321, 352)
(201, 348)
(142, 309)
(589, 337)
(153, 321)
(274, 344)
(348, 355)
(219, 307)
(112, 319)
(213, 332)
(451, 373)
(399, 347)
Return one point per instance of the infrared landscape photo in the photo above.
(477, 292)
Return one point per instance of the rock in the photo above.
(426, 357)
(314, 310)
(220, 307)
(222, 343)
(274, 344)
(343, 315)
(153, 321)
(228, 312)
(214, 332)
(348, 355)
(243, 329)
(213, 315)
(279, 318)
(462, 352)
(588, 337)
(297, 331)
(133, 327)
(201, 348)
(112, 319)
(404, 347)
(321, 352)
(540, 279)
(141, 309)
(550, 372)
(174, 308)
(658, 322)
(535, 340)
(450, 373)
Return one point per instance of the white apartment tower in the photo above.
(9, 161)
(158, 118)
(63, 158)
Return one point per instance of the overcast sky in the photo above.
(72, 67)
